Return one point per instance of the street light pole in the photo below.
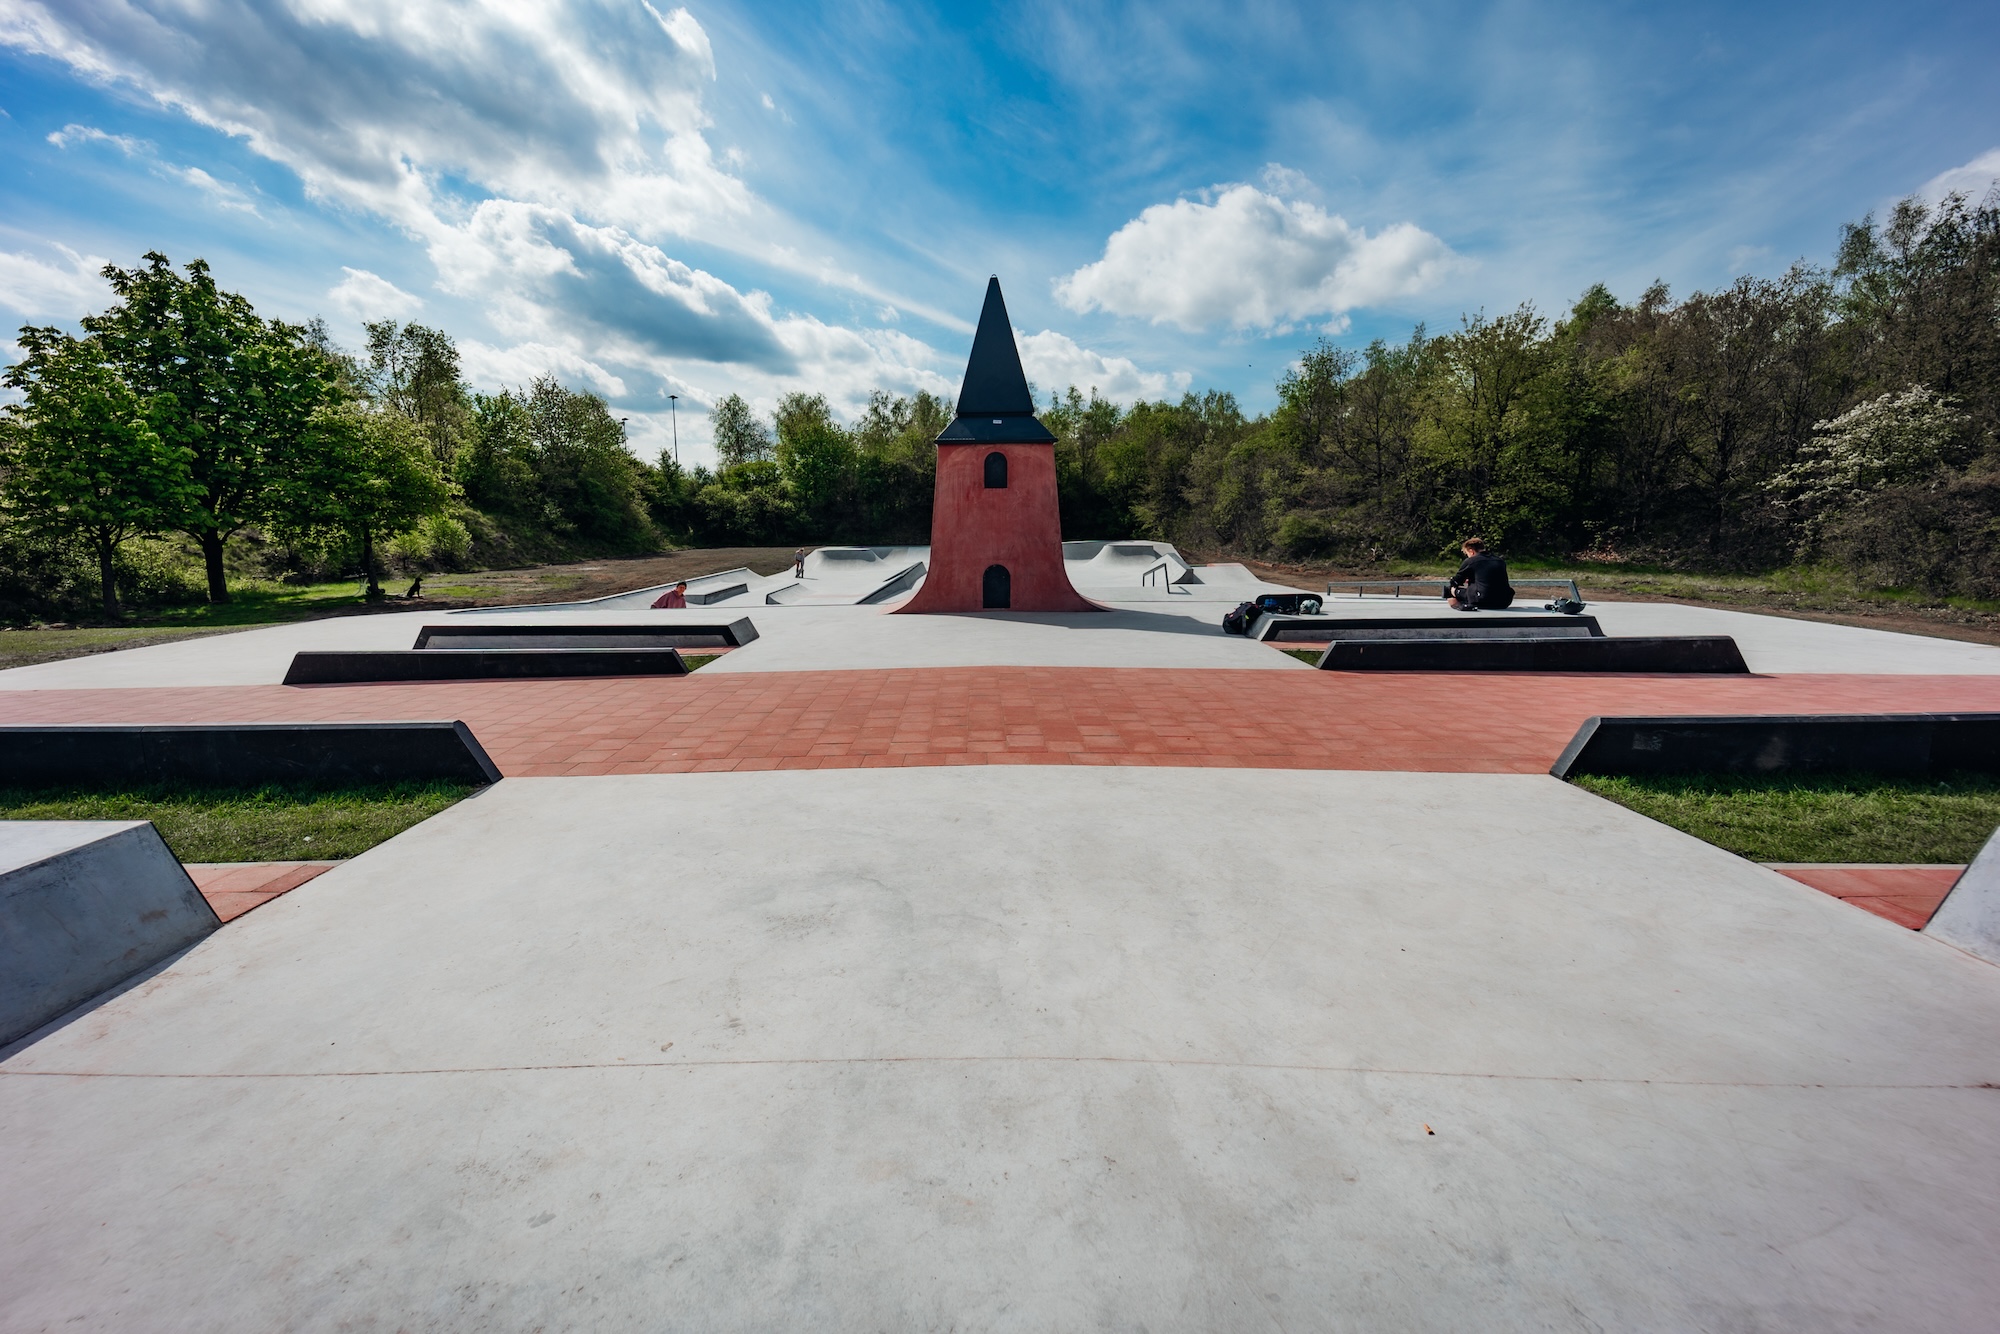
(674, 411)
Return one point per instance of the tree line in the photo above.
(1846, 414)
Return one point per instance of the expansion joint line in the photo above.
(1161, 1062)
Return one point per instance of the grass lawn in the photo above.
(1309, 656)
(250, 825)
(22, 648)
(1849, 818)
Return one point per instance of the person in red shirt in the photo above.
(677, 596)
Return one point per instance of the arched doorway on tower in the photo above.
(996, 589)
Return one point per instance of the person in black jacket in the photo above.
(1480, 582)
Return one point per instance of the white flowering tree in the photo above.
(1899, 439)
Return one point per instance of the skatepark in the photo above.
(1006, 968)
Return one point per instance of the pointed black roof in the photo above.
(994, 405)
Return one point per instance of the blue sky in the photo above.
(649, 200)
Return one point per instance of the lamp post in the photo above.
(674, 412)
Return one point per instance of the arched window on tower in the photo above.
(996, 471)
(996, 589)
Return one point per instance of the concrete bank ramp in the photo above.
(847, 576)
(1969, 917)
(85, 904)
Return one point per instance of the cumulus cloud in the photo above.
(543, 154)
(1055, 361)
(1250, 259)
(1972, 180)
(593, 105)
(368, 296)
(65, 289)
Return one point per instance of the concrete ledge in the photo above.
(731, 634)
(1701, 653)
(242, 754)
(369, 665)
(85, 904)
(901, 581)
(702, 597)
(1969, 917)
(1460, 625)
(1907, 744)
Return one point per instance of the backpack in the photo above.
(1237, 622)
(1567, 606)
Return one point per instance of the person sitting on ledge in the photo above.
(1480, 582)
(677, 596)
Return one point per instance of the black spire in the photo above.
(994, 406)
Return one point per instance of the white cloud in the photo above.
(90, 134)
(63, 290)
(1972, 180)
(368, 296)
(496, 368)
(593, 106)
(541, 152)
(220, 193)
(1054, 362)
(1250, 259)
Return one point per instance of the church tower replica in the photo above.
(996, 536)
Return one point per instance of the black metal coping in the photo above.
(732, 634)
(1716, 653)
(1902, 744)
(1458, 625)
(476, 664)
(242, 754)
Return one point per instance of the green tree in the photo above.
(555, 459)
(739, 436)
(817, 459)
(414, 369)
(218, 384)
(79, 456)
(361, 474)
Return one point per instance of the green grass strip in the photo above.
(253, 824)
(1830, 818)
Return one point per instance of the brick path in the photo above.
(1490, 723)
(1906, 895)
(234, 888)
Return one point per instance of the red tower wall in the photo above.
(1018, 526)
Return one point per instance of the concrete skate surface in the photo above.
(1026, 1048)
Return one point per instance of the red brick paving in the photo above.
(1906, 895)
(1489, 723)
(234, 888)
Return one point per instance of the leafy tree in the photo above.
(815, 456)
(79, 455)
(739, 436)
(361, 474)
(1893, 440)
(556, 459)
(218, 384)
(414, 369)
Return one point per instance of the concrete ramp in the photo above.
(1126, 563)
(1969, 917)
(847, 577)
(85, 904)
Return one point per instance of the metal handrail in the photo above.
(1358, 588)
(1165, 570)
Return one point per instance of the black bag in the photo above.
(1567, 606)
(1237, 622)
